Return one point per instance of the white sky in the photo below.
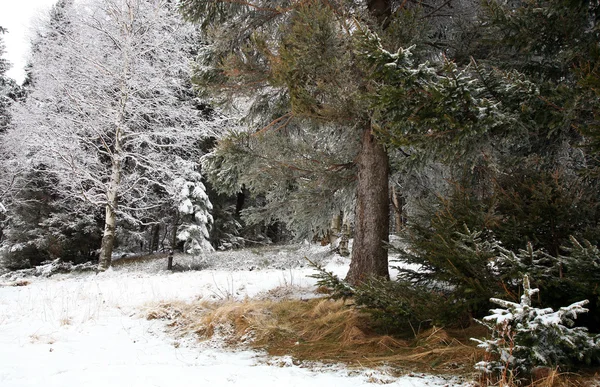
(18, 16)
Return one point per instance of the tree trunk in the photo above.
(369, 255)
(398, 202)
(110, 222)
(335, 230)
(344, 239)
(240, 200)
(154, 238)
(108, 239)
(372, 223)
(174, 234)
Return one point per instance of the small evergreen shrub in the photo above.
(401, 307)
(338, 288)
(525, 337)
(564, 279)
(452, 263)
(396, 307)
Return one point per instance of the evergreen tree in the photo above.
(4, 84)
(507, 143)
(4, 101)
(10, 92)
(296, 64)
(194, 207)
(37, 225)
(524, 337)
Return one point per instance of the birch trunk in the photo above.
(112, 194)
(335, 230)
(110, 222)
(369, 255)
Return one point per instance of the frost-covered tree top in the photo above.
(111, 115)
(117, 73)
(524, 336)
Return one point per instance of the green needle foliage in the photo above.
(524, 337)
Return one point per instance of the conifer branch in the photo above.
(288, 117)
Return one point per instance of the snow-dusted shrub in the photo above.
(524, 337)
(395, 306)
(194, 206)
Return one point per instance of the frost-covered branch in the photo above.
(106, 116)
(524, 336)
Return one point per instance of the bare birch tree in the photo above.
(110, 114)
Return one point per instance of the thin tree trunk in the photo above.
(154, 238)
(108, 239)
(369, 255)
(335, 230)
(240, 200)
(398, 209)
(110, 222)
(174, 234)
(345, 238)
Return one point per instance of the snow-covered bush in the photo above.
(524, 337)
(194, 207)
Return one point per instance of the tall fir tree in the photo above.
(511, 132)
(10, 92)
(295, 64)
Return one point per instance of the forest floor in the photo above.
(126, 326)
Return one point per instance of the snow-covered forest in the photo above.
(440, 155)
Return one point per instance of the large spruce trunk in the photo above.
(369, 254)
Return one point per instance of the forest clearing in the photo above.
(106, 329)
(433, 165)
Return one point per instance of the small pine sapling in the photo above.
(339, 288)
(536, 262)
(525, 337)
(458, 265)
(194, 207)
(396, 306)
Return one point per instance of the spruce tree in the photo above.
(296, 64)
(4, 84)
(524, 337)
(4, 119)
(512, 136)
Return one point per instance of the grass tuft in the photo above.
(334, 331)
(317, 330)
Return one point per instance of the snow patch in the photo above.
(85, 329)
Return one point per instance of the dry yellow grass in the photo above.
(333, 331)
(319, 329)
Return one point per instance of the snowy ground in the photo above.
(88, 330)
